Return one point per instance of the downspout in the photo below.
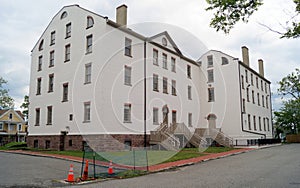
(145, 96)
(271, 111)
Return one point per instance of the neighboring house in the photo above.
(13, 127)
(92, 80)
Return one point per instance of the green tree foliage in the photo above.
(290, 85)
(5, 100)
(228, 12)
(25, 106)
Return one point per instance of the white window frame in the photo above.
(39, 86)
(155, 82)
(127, 113)
(1, 126)
(165, 61)
(210, 76)
(190, 92)
(51, 83)
(52, 38)
(86, 112)
(173, 64)
(210, 61)
(174, 87)
(211, 94)
(67, 52)
(89, 22)
(49, 115)
(89, 44)
(127, 75)
(51, 58)
(155, 116)
(155, 57)
(19, 127)
(128, 47)
(68, 30)
(40, 63)
(165, 85)
(190, 119)
(65, 92)
(37, 116)
(189, 71)
(88, 73)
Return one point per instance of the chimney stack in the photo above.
(261, 67)
(122, 15)
(245, 54)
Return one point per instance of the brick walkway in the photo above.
(153, 168)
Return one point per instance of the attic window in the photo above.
(224, 61)
(41, 46)
(164, 41)
(90, 22)
(63, 15)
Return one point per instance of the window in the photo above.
(249, 122)
(164, 59)
(190, 120)
(51, 83)
(190, 92)
(1, 126)
(257, 85)
(211, 95)
(49, 115)
(89, 22)
(10, 127)
(243, 85)
(259, 123)
(266, 89)
(254, 122)
(41, 46)
(155, 82)
(63, 15)
(251, 77)
(264, 120)
(39, 86)
(174, 118)
(51, 59)
(10, 116)
(247, 92)
(68, 30)
(37, 116)
(188, 70)
(155, 57)
(244, 106)
(128, 46)
(65, 92)
(210, 62)
(173, 64)
(127, 75)
(127, 113)
(70, 117)
(246, 76)
(262, 85)
(67, 52)
(155, 116)
(258, 101)
(267, 103)
(87, 112)
(268, 124)
(210, 76)
(224, 61)
(40, 63)
(35, 143)
(52, 38)
(263, 100)
(70, 143)
(47, 144)
(89, 44)
(165, 85)
(88, 73)
(173, 87)
(253, 99)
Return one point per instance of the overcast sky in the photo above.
(22, 23)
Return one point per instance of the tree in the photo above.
(228, 12)
(25, 106)
(290, 85)
(5, 100)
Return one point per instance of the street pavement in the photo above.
(270, 167)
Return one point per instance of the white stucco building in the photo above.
(95, 80)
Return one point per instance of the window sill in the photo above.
(67, 60)
(38, 94)
(86, 121)
(85, 83)
(51, 66)
(52, 44)
(49, 124)
(64, 101)
(165, 92)
(166, 68)
(189, 77)
(67, 36)
(174, 94)
(156, 90)
(127, 122)
(210, 101)
(156, 64)
(128, 55)
(50, 91)
(37, 125)
(127, 84)
(155, 123)
(89, 27)
(86, 53)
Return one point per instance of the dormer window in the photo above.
(90, 22)
(41, 46)
(63, 15)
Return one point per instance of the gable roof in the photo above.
(18, 113)
(166, 34)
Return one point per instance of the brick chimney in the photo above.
(121, 16)
(245, 54)
(261, 67)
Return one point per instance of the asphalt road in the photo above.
(270, 167)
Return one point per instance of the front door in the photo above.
(165, 111)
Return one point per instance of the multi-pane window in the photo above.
(263, 100)
(262, 85)
(259, 123)
(51, 59)
(1, 126)
(39, 86)
(246, 76)
(188, 71)
(253, 98)
(210, 62)
(268, 124)
(155, 82)
(173, 87)
(87, 112)
(267, 102)
(190, 120)
(165, 85)
(264, 120)
(155, 116)
(164, 60)
(243, 84)
(173, 64)
(52, 38)
(88, 73)
(89, 44)
(67, 52)
(89, 22)
(19, 127)
(247, 92)
(40, 63)
(127, 113)
(254, 122)
(190, 92)
(257, 84)
(210, 76)
(251, 77)
(211, 94)
(41, 45)
(37, 116)
(68, 30)
(155, 57)
(49, 115)
(249, 122)
(174, 118)
(128, 46)
(127, 75)
(51, 83)
(266, 88)
(65, 92)
(244, 105)
(258, 101)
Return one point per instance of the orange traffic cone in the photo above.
(110, 169)
(71, 174)
(86, 171)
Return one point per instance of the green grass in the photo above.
(69, 153)
(218, 149)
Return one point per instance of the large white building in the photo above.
(95, 80)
